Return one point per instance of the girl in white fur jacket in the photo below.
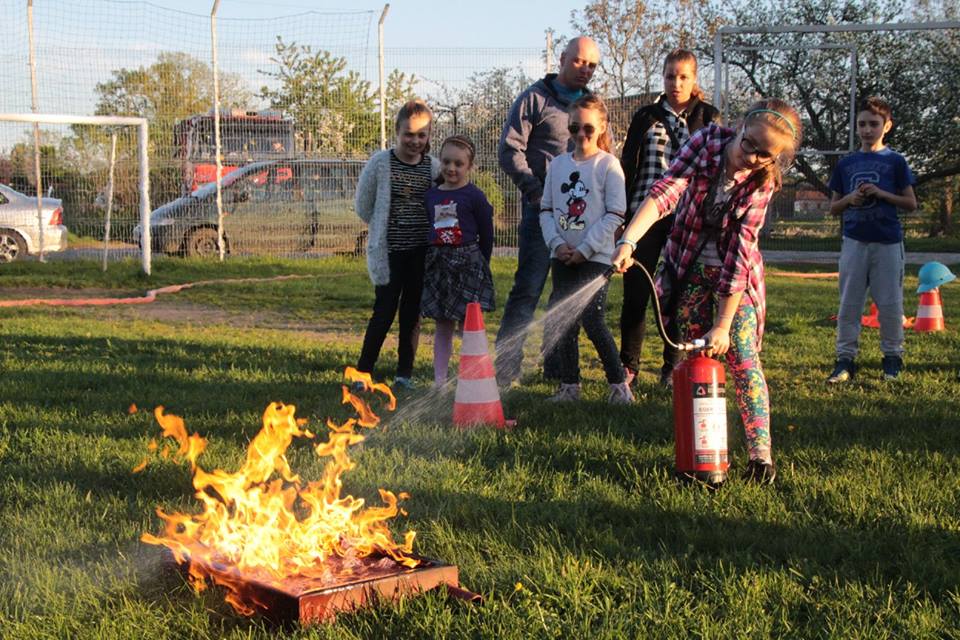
(390, 199)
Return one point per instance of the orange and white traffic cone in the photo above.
(929, 312)
(478, 399)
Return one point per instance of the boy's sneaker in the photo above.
(620, 394)
(405, 383)
(566, 393)
(760, 472)
(843, 371)
(892, 366)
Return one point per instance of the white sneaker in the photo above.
(566, 393)
(620, 394)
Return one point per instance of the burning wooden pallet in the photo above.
(289, 549)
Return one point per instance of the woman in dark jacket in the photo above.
(657, 131)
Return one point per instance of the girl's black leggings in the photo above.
(402, 292)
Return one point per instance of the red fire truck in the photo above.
(245, 137)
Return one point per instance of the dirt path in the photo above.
(169, 310)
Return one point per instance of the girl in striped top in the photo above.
(389, 198)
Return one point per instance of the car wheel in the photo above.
(12, 245)
(202, 243)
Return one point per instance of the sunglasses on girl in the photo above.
(588, 129)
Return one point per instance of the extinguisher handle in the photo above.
(695, 345)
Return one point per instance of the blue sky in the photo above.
(411, 23)
(82, 42)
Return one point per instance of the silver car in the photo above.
(19, 231)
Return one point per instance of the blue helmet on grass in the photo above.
(933, 275)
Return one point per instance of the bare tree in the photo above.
(634, 36)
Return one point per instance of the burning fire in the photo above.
(263, 524)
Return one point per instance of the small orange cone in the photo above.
(929, 313)
(478, 399)
(871, 320)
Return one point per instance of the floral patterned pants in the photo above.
(694, 317)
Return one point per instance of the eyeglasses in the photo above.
(588, 129)
(750, 148)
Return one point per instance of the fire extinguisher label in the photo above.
(707, 390)
(709, 424)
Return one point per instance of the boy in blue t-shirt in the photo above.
(868, 187)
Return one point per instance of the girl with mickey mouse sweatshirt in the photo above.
(583, 205)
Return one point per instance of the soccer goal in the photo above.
(104, 189)
(824, 70)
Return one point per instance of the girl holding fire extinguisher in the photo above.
(711, 273)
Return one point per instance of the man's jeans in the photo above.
(533, 265)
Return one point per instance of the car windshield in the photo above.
(209, 189)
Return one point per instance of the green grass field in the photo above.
(571, 525)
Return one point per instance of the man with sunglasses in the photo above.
(535, 133)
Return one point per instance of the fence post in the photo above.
(383, 88)
(35, 106)
(143, 141)
(216, 125)
(106, 227)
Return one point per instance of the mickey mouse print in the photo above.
(583, 204)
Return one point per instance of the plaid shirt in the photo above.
(660, 151)
(683, 190)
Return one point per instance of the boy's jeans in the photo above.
(878, 267)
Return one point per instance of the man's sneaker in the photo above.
(760, 472)
(843, 371)
(629, 375)
(404, 383)
(892, 366)
(620, 394)
(566, 393)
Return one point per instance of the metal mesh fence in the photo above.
(300, 112)
(292, 88)
(470, 92)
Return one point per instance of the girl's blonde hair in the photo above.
(595, 103)
(684, 55)
(463, 142)
(784, 119)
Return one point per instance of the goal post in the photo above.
(143, 136)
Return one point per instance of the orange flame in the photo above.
(262, 523)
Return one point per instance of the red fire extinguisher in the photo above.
(700, 420)
(699, 408)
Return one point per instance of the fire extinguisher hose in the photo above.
(695, 345)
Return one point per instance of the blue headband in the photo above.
(779, 115)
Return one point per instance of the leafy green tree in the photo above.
(399, 88)
(337, 112)
(334, 109)
(176, 86)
